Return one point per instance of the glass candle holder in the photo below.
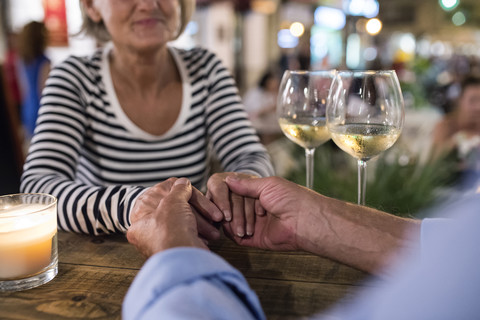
(28, 241)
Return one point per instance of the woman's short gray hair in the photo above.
(100, 32)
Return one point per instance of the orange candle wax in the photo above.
(26, 241)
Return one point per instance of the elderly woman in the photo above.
(135, 113)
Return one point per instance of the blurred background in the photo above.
(254, 35)
(432, 44)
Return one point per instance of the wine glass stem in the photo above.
(309, 158)
(362, 181)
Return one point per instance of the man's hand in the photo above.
(171, 224)
(205, 211)
(285, 202)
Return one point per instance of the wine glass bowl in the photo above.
(365, 116)
(365, 141)
(308, 133)
(301, 110)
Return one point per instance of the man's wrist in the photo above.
(312, 226)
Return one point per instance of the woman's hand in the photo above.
(172, 223)
(205, 211)
(238, 210)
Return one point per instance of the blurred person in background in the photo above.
(113, 125)
(298, 58)
(11, 70)
(459, 130)
(260, 103)
(33, 71)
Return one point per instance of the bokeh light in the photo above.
(408, 43)
(297, 29)
(285, 39)
(370, 53)
(373, 26)
(459, 18)
(366, 8)
(330, 18)
(448, 4)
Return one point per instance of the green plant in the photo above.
(400, 189)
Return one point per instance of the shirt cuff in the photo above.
(132, 204)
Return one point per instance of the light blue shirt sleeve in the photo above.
(190, 283)
(441, 283)
(429, 228)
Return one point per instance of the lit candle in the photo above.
(27, 234)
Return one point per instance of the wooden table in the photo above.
(95, 273)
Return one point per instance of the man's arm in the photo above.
(299, 218)
(359, 236)
(190, 283)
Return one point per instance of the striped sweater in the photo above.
(96, 161)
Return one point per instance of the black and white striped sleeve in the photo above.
(232, 136)
(51, 164)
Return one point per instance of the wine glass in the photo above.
(301, 107)
(365, 115)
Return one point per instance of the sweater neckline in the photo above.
(122, 116)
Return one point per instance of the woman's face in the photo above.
(138, 24)
(470, 107)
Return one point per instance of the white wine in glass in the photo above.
(308, 133)
(365, 116)
(301, 108)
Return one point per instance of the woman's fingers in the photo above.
(249, 208)
(220, 195)
(205, 207)
(238, 210)
(205, 229)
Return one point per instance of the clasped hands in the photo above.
(252, 211)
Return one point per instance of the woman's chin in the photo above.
(145, 46)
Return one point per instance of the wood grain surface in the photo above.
(95, 273)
